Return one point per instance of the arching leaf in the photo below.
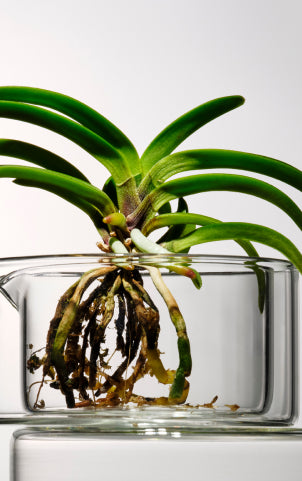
(184, 126)
(176, 219)
(79, 112)
(67, 184)
(85, 138)
(39, 156)
(217, 182)
(240, 230)
(216, 159)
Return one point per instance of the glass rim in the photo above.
(32, 261)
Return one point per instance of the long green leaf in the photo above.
(240, 230)
(73, 131)
(216, 159)
(39, 156)
(216, 182)
(78, 111)
(176, 218)
(180, 129)
(67, 184)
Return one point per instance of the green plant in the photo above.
(134, 201)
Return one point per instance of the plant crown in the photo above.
(135, 199)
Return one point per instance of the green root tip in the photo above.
(185, 359)
(178, 385)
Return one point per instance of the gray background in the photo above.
(142, 64)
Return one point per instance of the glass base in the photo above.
(138, 420)
(72, 454)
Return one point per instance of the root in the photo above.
(77, 357)
(179, 385)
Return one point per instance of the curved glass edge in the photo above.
(64, 264)
(261, 432)
(8, 265)
(141, 419)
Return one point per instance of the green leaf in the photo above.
(81, 113)
(187, 230)
(69, 185)
(240, 230)
(216, 159)
(176, 218)
(220, 182)
(39, 156)
(85, 138)
(184, 126)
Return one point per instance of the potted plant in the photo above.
(115, 296)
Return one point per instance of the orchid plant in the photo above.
(134, 202)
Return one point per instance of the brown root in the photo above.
(77, 358)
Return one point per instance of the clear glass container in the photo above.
(241, 326)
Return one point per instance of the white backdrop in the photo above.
(143, 63)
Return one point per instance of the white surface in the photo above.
(142, 64)
(217, 459)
